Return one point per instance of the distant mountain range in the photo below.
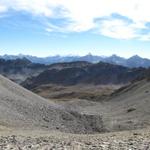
(30, 74)
(134, 61)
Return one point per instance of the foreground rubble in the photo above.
(130, 140)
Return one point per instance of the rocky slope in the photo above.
(125, 109)
(20, 108)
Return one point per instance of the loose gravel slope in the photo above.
(20, 108)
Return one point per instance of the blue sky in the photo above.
(75, 27)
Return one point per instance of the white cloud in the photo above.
(3, 9)
(116, 28)
(80, 15)
(145, 37)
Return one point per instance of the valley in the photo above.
(89, 103)
(67, 93)
(74, 75)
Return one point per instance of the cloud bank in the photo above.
(120, 19)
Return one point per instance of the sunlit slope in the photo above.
(20, 108)
(129, 107)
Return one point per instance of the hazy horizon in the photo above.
(65, 55)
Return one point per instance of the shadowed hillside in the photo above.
(96, 74)
(20, 69)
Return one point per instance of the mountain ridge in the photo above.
(19, 69)
(134, 61)
(96, 74)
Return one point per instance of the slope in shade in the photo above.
(96, 74)
(21, 109)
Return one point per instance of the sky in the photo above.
(75, 27)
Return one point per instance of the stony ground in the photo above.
(35, 140)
